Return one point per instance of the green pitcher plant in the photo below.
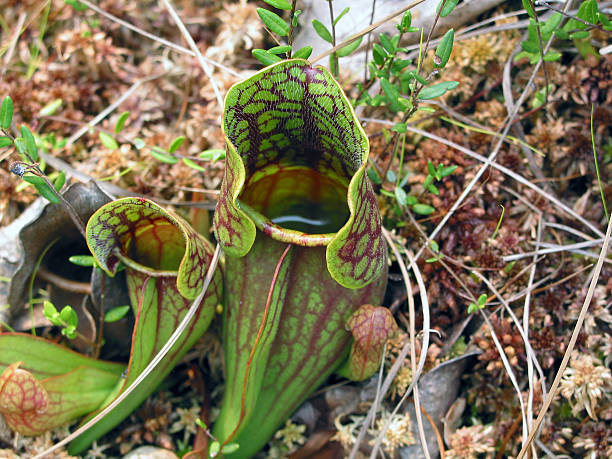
(44, 385)
(166, 262)
(298, 220)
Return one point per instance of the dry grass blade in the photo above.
(570, 346)
(160, 355)
(153, 37)
(195, 49)
(417, 369)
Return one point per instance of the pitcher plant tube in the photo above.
(299, 222)
(166, 262)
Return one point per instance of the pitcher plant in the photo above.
(299, 222)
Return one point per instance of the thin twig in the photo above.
(195, 49)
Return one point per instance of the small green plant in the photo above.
(480, 304)
(577, 29)
(66, 318)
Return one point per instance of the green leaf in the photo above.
(294, 20)
(378, 54)
(59, 182)
(265, 57)
(400, 128)
(588, 11)
(108, 141)
(404, 24)
(449, 6)
(529, 8)
(115, 314)
(76, 5)
(45, 190)
(231, 447)
(213, 154)
(30, 144)
(423, 209)
(348, 49)
(273, 22)
(51, 313)
(322, 31)
(552, 56)
(176, 144)
(191, 163)
(6, 113)
(50, 108)
(437, 90)
(82, 260)
(341, 15)
(280, 49)
(280, 4)
(162, 156)
(387, 43)
(400, 195)
(443, 51)
(305, 52)
(121, 122)
(139, 144)
(214, 448)
(5, 141)
(69, 316)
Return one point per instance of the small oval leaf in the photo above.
(121, 122)
(6, 113)
(443, 51)
(322, 31)
(108, 141)
(30, 144)
(265, 57)
(273, 22)
(303, 53)
(115, 314)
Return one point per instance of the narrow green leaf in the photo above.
(213, 154)
(296, 15)
(30, 143)
(273, 22)
(305, 52)
(436, 90)
(6, 113)
(265, 57)
(191, 163)
(280, 49)
(162, 156)
(280, 4)
(443, 51)
(341, 15)
(400, 128)
(45, 190)
(404, 24)
(400, 195)
(5, 141)
(115, 314)
(348, 49)
(387, 43)
(423, 209)
(108, 141)
(176, 144)
(529, 8)
(322, 31)
(390, 90)
(50, 108)
(83, 260)
(449, 6)
(121, 122)
(59, 182)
